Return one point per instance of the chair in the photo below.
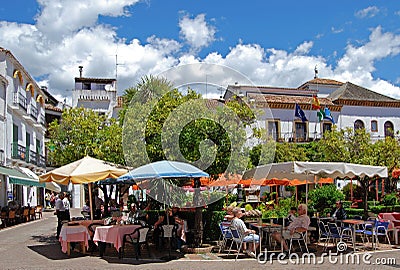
(298, 236)
(324, 233)
(238, 238)
(225, 236)
(91, 230)
(137, 238)
(379, 228)
(39, 211)
(4, 217)
(12, 217)
(25, 215)
(338, 235)
(32, 214)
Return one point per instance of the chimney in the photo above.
(80, 71)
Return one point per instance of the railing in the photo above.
(33, 157)
(42, 161)
(19, 99)
(42, 119)
(18, 151)
(33, 111)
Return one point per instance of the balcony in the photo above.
(20, 152)
(19, 102)
(32, 114)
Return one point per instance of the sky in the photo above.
(272, 43)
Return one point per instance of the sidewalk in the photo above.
(33, 245)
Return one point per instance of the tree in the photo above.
(84, 132)
(163, 123)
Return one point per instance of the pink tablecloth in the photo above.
(73, 234)
(113, 234)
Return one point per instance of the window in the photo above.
(326, 127)
(389, 128)
(301, 131)
(86, 86)
(358, 124)
(374, 126)
(273, 129)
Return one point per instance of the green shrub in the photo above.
(351, 212)
(357, 191)
(211, 220)
(324, 197)
(390, 199)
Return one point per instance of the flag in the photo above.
(300, 113)
(328, 115)
(315, 103)
(321, 114)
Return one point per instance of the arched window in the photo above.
(358, 124)
(389, 129)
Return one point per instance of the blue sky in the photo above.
(275, 43)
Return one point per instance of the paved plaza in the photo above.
(33, 245)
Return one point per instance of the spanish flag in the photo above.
(315, 103)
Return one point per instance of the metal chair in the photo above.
(378, 228)
(298, 236)
(324, 233)
(137, 238)
(238, 238)
(225, 236)
(338, 235)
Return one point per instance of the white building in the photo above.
(98, 94)
(22, 131)
(350, 106)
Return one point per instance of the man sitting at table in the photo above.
(339, 213)
(299, 225)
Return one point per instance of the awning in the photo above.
(53, 187)
(20, 178)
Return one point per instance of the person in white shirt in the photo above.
(67, 206)
(250, 235)
(299, 225)
(60, 212)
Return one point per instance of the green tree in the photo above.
(84, 132)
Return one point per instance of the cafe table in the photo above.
(76, 233)
(113, 234)
(354, 223)
(267, 229)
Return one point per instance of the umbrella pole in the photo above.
(90, 200)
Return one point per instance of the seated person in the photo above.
(291, 216)
(229, 215)
(339, 213)
(299, 225)
(250, 235)
(133, 214)
(86, 207)
(173, 219)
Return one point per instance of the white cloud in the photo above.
(55, 56)
(368, 12)
(196, 32)
(60, 18)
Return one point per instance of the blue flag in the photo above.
(328, 115)
(300, 113)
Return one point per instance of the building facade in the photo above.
(22, 132)
(97, 94)
(350, 106)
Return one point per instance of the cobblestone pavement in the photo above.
(33, 245)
